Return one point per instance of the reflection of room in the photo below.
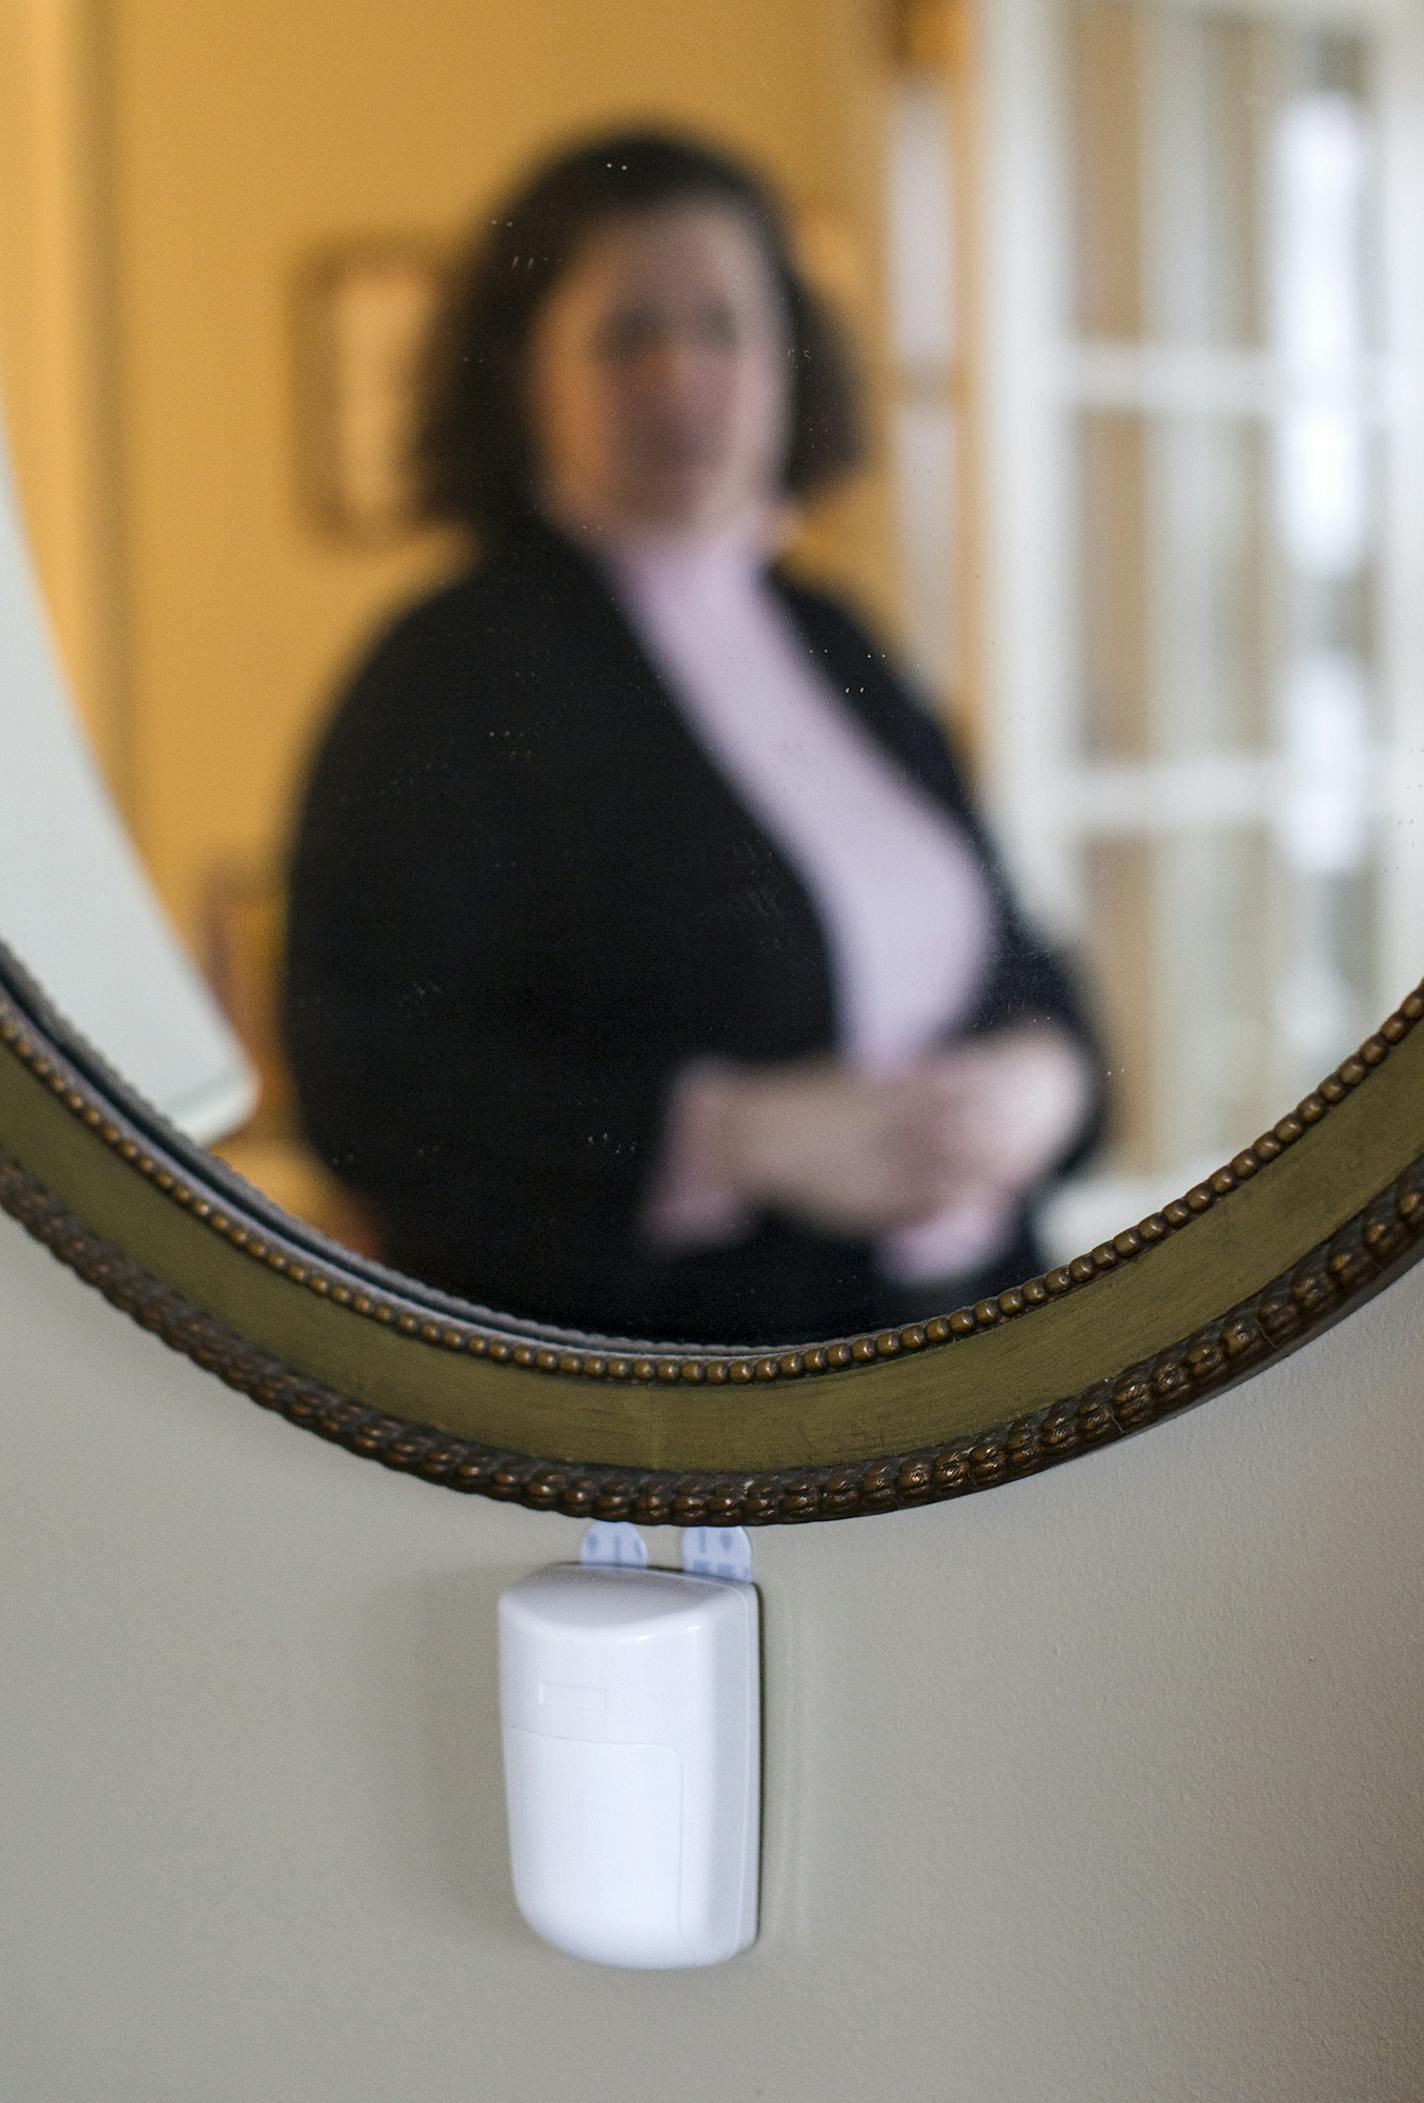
(1145, 507)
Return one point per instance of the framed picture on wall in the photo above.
(362, 308)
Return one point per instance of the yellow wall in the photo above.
(247, 136)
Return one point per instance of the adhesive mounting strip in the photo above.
(718, 1551)
(614, 1545)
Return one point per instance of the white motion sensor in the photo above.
(631, 1713)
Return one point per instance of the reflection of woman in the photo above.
(649, 969)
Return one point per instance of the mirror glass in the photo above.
(770, 656)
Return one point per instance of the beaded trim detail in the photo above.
(1315, 1292)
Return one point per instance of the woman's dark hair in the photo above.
(473, 457)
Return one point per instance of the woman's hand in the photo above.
(849, 1153)
(1004, 1108)
(859, 1154)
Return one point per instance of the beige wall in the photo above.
(1099, 1789)
(234, 142)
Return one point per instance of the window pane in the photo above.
(1190, 1019)
(922, 435)
(1212, 1032)
(919, 232)
(1208, 153)
(1215, 557)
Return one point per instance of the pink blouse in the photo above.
(898, 889)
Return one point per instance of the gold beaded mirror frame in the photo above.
(1294, 1232)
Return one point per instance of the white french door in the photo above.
(1193, 362)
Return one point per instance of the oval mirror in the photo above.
(778, 690)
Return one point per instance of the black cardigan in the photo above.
(521, 900)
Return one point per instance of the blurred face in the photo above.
(658, 375)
